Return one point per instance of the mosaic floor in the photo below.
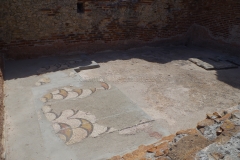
(70, 125)
(136, 97)
(76, 111)
(68, 113)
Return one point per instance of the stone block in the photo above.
(152, 150)
(206, 122)
(91, 65)
(225, 117)
(212, 65)
(227, 125)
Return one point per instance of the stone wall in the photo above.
(32, 27)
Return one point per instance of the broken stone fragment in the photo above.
(236, 117)
(218, 114)
(202, 130)
(205, 122)
(161, 149)
(227, 125)
(89, 66)
(159, 153)
(217, 156)
(166, 152)
(168, 138)
(163, 146)
(145, 148)
(138, 154)
(219, 131)
(211, 116)
(188, 132)
(158, 146)
(225, 117)
(236, 114)
(210, 65)
(152, 150)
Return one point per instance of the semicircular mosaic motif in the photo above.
(69, 92)
(74, 126)
(70, 125)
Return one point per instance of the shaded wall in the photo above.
(51, 26)
(33, 27)
(217, 23)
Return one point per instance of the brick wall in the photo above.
(33, 27)
(221, 17)
(219, 21)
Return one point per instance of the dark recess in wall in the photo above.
(80, 7)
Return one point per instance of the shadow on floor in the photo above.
(162, 55)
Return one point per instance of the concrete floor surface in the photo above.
(136, 97)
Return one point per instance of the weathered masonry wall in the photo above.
(50, 26)
(32, 27)
(220, 21)
(221, 17)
